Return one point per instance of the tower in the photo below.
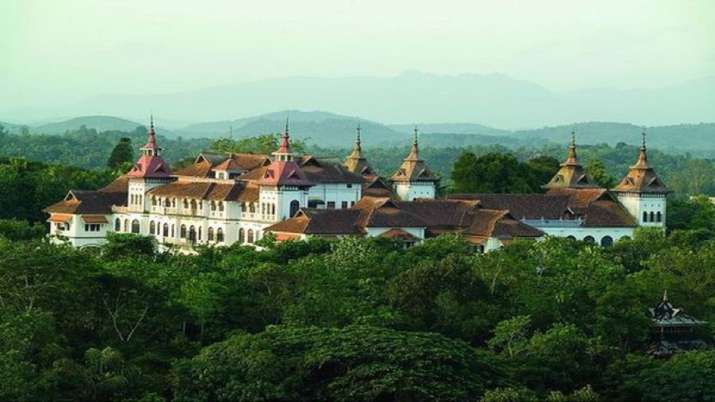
(283, 186)
(414, 179)
(356, 162)
(148, 172)
(571, 174)
(642, 193)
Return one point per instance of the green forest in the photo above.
(89, 149)
(352, 319)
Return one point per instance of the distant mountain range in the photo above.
(495, 100)
(334, 130)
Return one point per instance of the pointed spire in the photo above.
(151, 148)
(642, 162)
(357, 138)
(572, 159)
(415, 150)
(641, 177)
(284, 151)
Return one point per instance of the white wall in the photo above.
(77, 236)
(410, 191)
(417, 232)
(580, 233)
(636, 204)
(337, 193)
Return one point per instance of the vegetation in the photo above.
(28, 187)
(354, 319)
(121, 155)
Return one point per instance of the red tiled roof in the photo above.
(202, 190)
(641, 177)
(523, 206)
(284, 173)
(398, 234)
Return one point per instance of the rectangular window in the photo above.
(331, 204)
(349, 186)
(344, 204)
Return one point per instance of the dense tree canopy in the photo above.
(354, 319)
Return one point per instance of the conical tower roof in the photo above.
(641, 177)
(150, 164)
(356, 161)
(571, 174)
(413, 168)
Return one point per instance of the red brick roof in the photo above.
(641, 177)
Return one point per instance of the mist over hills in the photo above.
(334, 130)
(493, 100)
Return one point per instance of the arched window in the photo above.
(645, 216)
(166, 230)
(173, 202)
(220, 206)
(153, 200)
(249, 239)
(117, 225)
(219, 235)
(211, 234)
(167, 203)
(294, 207)
(273, 209)
(652, 216)
(172, 230)
(243, 207)
(252, 208)
(186, 203)
(182, 232)
(192, 233)
(193, 204)
(589, 239)
(126, 225)
(241, 236)
(659, 217)
(152, 227)
(213, 205)
(135, 226)
(607, 241)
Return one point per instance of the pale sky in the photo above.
(65, 50)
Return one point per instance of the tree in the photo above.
(490, 173)
(597, 170)
(357, 363)
(261, 144)
(121, 154)
(682, 378)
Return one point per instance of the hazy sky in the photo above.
(61, 50)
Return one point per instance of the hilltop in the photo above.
(322, 128)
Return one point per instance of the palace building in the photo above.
(223, 199)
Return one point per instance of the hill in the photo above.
(453, 128)
(494, 100)
(11, 127)
(99, 123)
(694, 138)
(321, 128)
